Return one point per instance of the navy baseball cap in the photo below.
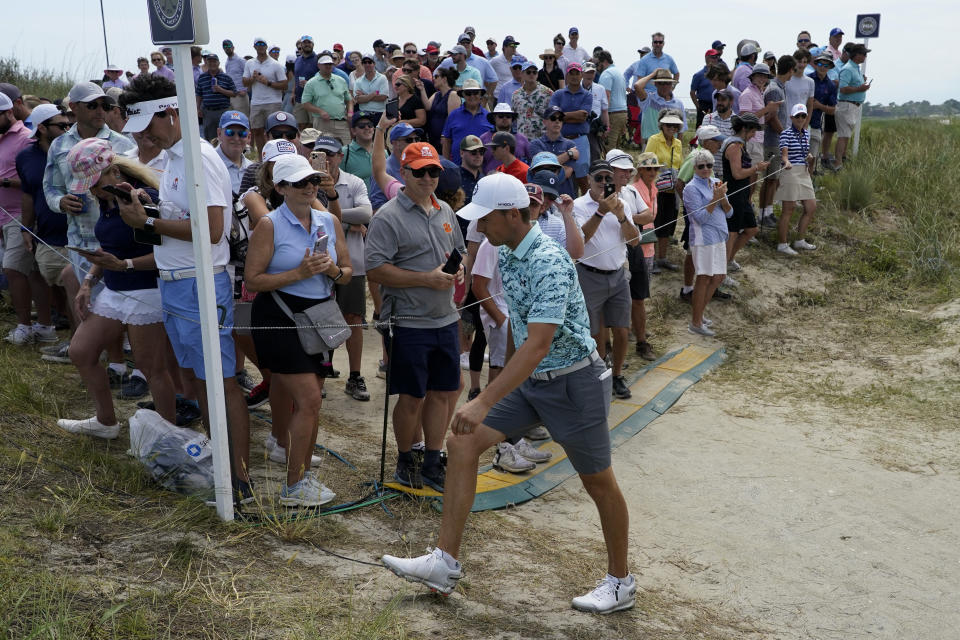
(328, 144)
(363, 115)
(508, 41)
(836, 31)
(552, 109)
(717, 44)
(451, 178)
(280, 119)
(234, 118)
(227, 43)
(573, 30)
(548, 181)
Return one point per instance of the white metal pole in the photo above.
(856, 132)
(189, 128)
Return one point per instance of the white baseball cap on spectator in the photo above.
(5, 103)
(493, 193)
(292, 167)
(85, 92)
(798, 109)
(40, 114)
(275, 148)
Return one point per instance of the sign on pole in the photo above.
(868, 26)
(182, 23)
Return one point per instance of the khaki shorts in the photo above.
(15, 254)
(241, 104)
(618, 128)
(259, 113)
(754, 150)
(816, 140)
(847, 115)
(775, 163)
(339, 129)
(50, 263)
(301, 114)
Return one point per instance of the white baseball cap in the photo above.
(40, 114)
(797, 109)
(292, 167)
(619, 159)
(85, 92)
(274, 148)
(5, 103)
(495, 192)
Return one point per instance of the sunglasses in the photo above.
(434, 172)
(289, 135)
(657, 41)
(101, 104)
(555, 118)
(157, 59)
(397, 85)
(411, 139)
(313, 181)
(823, 64)
(239, 133)
(259, 44)
(549, 57)
(63, 126)
(603, 179)
(409, 50)
(705, 166)
(649, 168)
(803, 40)
(799, 115)
(505, 115)
(670, 126)
(471, 92)
(474, 152)
(367, 61)
(531, 71)
(363, 125)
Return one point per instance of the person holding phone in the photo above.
(130, 297)
(607, 228)
(297, 255)
(409, 240)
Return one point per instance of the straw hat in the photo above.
(648, 159)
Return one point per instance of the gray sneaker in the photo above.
(507, 459)
(537, 433)
(54, 349)
(431, 570)
(61, 356)
(357, 388)
(531, 453)
(701, 330)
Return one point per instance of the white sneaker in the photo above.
(707, 322)
(278, 454)
(90, 427)
(431, 570)
(531, 453)
(783, 247)
(733, 266)
(537, 433)
(803, 244)
(609, 596)
(702, 330)
(507, 459)
(20, 335)
(729, 282)
(44, 333)
(306, 493)
(465, 360)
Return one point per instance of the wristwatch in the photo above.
(129, 264)
(149, 222)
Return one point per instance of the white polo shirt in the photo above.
(608, 237)
(175, 205)
(352, 192)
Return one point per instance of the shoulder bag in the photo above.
(320, 327)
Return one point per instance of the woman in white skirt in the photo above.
(707, 207)
(130, 297)
(795, 182)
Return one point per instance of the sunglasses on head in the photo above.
(433, 172)
(705, 166)
(313, 181)
(239, 133)
(289, 135)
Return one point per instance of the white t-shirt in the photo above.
(473, 234)
(274, 72)
(797, 90)
(487, 266)
(175, 205)
(605, 239)
(634, 201)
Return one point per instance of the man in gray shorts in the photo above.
(555, 376)
(605, 281)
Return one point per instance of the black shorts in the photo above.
(666, 220)
(639, 280)
(742, 218)
(424, 360)
(685, 234)
(279, 350)
(352, 297)
(829, 123)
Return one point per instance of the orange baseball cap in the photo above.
(420, 154)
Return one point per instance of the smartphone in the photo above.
(80, 249)
(392, 108)
(320, 244)
(453, 263)
(609, 189)
(318, 160)
(145, 235)
(117, 191)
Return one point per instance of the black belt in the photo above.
(574, 137)
(851, 102)
(606, 272)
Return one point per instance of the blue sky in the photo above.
(67, 36)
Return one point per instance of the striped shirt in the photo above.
(726, 129)
(213, 100)
(797, 143)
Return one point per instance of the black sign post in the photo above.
(178, 21)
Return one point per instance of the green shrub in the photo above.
(38, 82)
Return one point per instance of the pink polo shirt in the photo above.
(11, 143)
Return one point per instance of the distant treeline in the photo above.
(911, 109)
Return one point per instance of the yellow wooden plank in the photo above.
(687, 359)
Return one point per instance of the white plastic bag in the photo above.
(178, 458)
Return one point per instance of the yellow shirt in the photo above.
(669, 156)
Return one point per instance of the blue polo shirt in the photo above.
(569, 101)
(702, 85)
(824, 92)
(306, 68)
(505, 94)
(850, 76)
(647, 65)
(211, 99)
(50, 225)
(460, 124)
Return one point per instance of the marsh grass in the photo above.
(33, 81)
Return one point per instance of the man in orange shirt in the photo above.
(502, 145)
